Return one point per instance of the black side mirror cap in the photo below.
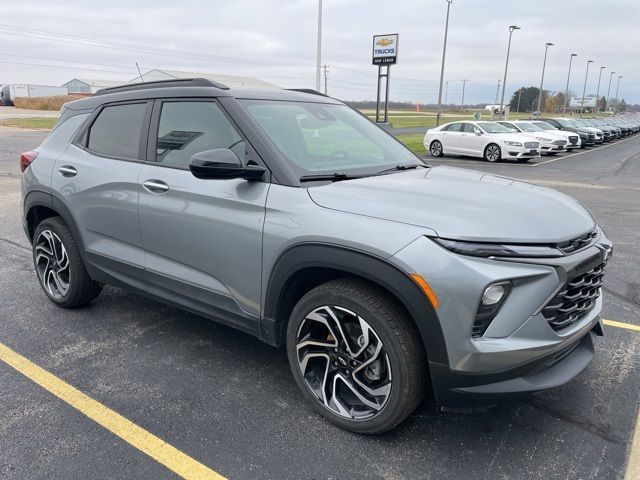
(222, 164)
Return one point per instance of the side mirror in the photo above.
(222, 164)
(478, 132)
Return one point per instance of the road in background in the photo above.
(229, 401)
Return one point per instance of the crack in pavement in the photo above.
(15, 244)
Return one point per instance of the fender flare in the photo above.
(375, 269)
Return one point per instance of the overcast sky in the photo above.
(275, 41)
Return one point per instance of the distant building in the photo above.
(89, 85)
(229, 80)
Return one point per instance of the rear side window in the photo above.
(187, 128)
(454, 127)
(117, 131)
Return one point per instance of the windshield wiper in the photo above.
(333, 177)
(397, 168)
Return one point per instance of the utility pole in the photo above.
(617, 87)
(325, 69)
(512, 28)
(584, 89)
(609, 90)
(319, 46)
(566, 92)
(519, 95)
(444, 53)
(544, 64)
(595, 110)
(497, 93)
(464, 82)
(446, 93)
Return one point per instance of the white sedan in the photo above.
(550, 142)
(573, 138)
(488, 140)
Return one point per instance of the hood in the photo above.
(461, 204)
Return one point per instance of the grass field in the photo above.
(34, 123)
(413, 142)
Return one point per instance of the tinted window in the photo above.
(454, 127)
(187, 128)
(117, 131)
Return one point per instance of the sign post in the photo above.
(385, 54)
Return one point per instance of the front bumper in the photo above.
(510, 152)
(514, 355)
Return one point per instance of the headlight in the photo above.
(543, 139)
(481, 249)
(512, 144)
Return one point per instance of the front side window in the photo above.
(316, 137)
(117, 131)
(187, 128)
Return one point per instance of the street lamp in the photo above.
(584, 89)
(617, 87)
(566, 92)
(544, 63)
(506, 66)
(598, 92)
(444, 52)
(319, 46)
(609, 90)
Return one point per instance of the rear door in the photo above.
(203, 238)
(97, 180)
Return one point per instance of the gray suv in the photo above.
(290, 216)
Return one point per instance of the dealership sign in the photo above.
(385, 49)
(576, 102)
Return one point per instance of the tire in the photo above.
(59, 266)
(397, 373)
(492, 153)
(436, 149)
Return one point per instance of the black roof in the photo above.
(192, 87)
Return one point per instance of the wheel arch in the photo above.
(304, 266)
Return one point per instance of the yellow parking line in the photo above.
(628, 326)
(156, 448)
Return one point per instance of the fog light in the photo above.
(493, 294)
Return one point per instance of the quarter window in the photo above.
(118, 130)
(187, 128)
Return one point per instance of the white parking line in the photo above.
(579, 153)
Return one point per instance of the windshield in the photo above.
(544, 125)
(324, 138)
(528, 127)
(493, 127)
(567, 123)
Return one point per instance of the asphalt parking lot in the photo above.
(227, 401)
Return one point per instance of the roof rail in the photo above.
(307, 90)
(177, 82)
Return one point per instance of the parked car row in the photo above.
(523, 140)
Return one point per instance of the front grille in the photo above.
(531, 144)
(575, 300)
(562, 143)
(573, 139)
(577, 243)
(591, 136)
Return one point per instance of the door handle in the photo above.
(68, 171)
(156, 186)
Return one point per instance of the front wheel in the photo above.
(355, 356)
(492, 153)
(436, 149)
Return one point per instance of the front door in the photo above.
(202, 238)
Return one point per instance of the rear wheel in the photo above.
(436, 149)
(355, 356)
(59, 266)
(492, 153)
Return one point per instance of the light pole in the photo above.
(598, 92)
(319, 46)
(609, 90)
(506, 67)
(584, 89)
(464, 82)
(544, 64)
(617, 87)
(444, 53)
(566, 92)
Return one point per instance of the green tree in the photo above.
(602, 104)
(528, 99)
(622, 106)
